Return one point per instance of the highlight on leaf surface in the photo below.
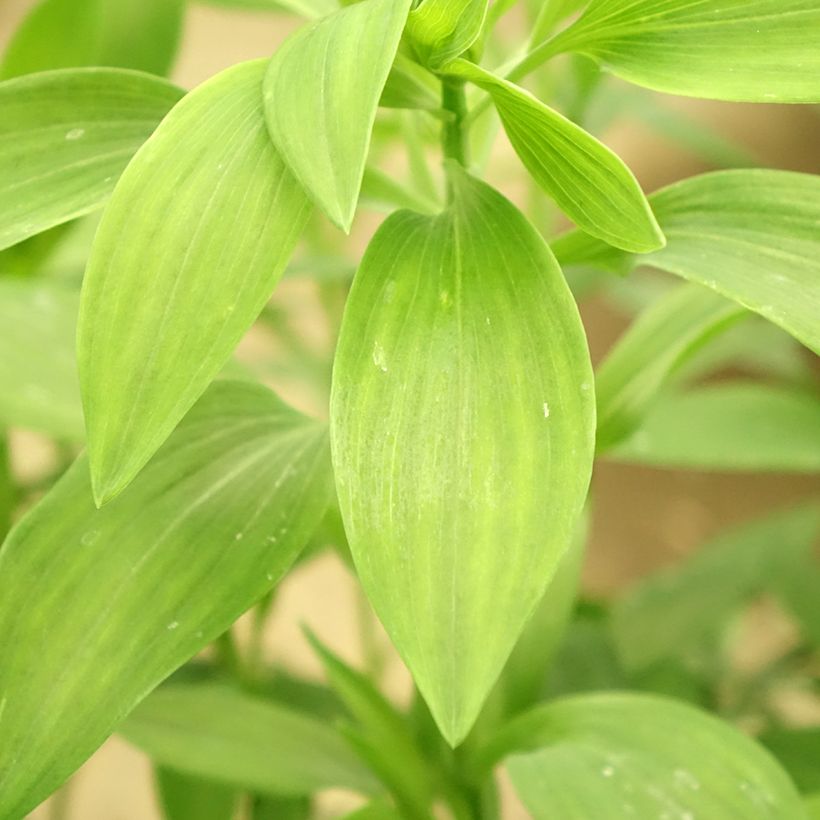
(321, 93)
(462, 419)
(197, 233)
(743, 50)
(589, 182)
(65, 138)
(226, 505)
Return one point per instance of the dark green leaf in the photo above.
(185, 797)
(197, 234)
(798, 751)
(462, 439)
(223, 509)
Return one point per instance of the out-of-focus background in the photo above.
(643, 518)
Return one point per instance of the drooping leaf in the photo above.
(199, 230)
(441, 30)
(743, 426)
(589, 182)
(663, 337)
(186, 797)
(38, 375)
(222, 509)
(65, 138)
(462, 439)
(321, 93)
(750, 235)
(753, 50)
(670, 611)
(625, 756)
(140, 34)
(216, 732)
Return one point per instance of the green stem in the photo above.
(454, 134)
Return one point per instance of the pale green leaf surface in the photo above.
(140, 34)
(550, 13)
(462, 437)
(219, 733)
(65, 138)
(752, 50)
(668, 612)
(812, 805)
(197, 233)
(624, 756)
(186, 797)
(750, 235)
(321, 94)
(410, 85)
(664, 336)
(223, 509)
(729, 427)
(440, 30)
(587, 180)
(305, 8)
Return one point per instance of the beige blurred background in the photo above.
(643, 518)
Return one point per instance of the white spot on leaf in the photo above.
(75, 134)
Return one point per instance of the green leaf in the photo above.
(321, 93)
(65, 138)
(184, 797)
(796, 588)
(462, 450)
(624, 756)
(662, 338)
(812, 804)
(753, 50)
(8, 490)
(589, 182)
(377, 810)
(730, 427)
(223, 509)
(440, 30)
(305, 8)
(216, 732)
(197, 234)
(749, 235)
(409, 85)
(669, 612)
(141, 34)
(798, 751)
(550, 13)
(38, 376)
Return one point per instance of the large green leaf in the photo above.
(98, 606)
(589, 182)
(65, 138)
(661, 339)
(321, 92)
(750, 235)
(186, 797)
(216, 732)
(742, 426)
(141, 34)
(755, 50)
(305, 8)
(669, 612)
(462, 419)
(624, 756)
(440, 30)
(199, 230)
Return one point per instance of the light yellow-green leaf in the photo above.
(753, 50)
(197, 233)
(462, 423)
(441, 30)
(306, 8)
(98, 606)
(589, 182)
(65, 138)
(321, 93)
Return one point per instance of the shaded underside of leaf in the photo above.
(197, 233)
(462, 420)
(98, 606)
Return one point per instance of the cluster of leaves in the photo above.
(464, 412)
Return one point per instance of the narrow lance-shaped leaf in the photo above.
(440, 30)
(749, 235)
(219, 733)
(462, 424)
(224, 507)
(753, 50)
(589, 182)
(624, 756)
(65, 138)
(198, 232)
(141, 34)
(321, 93)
